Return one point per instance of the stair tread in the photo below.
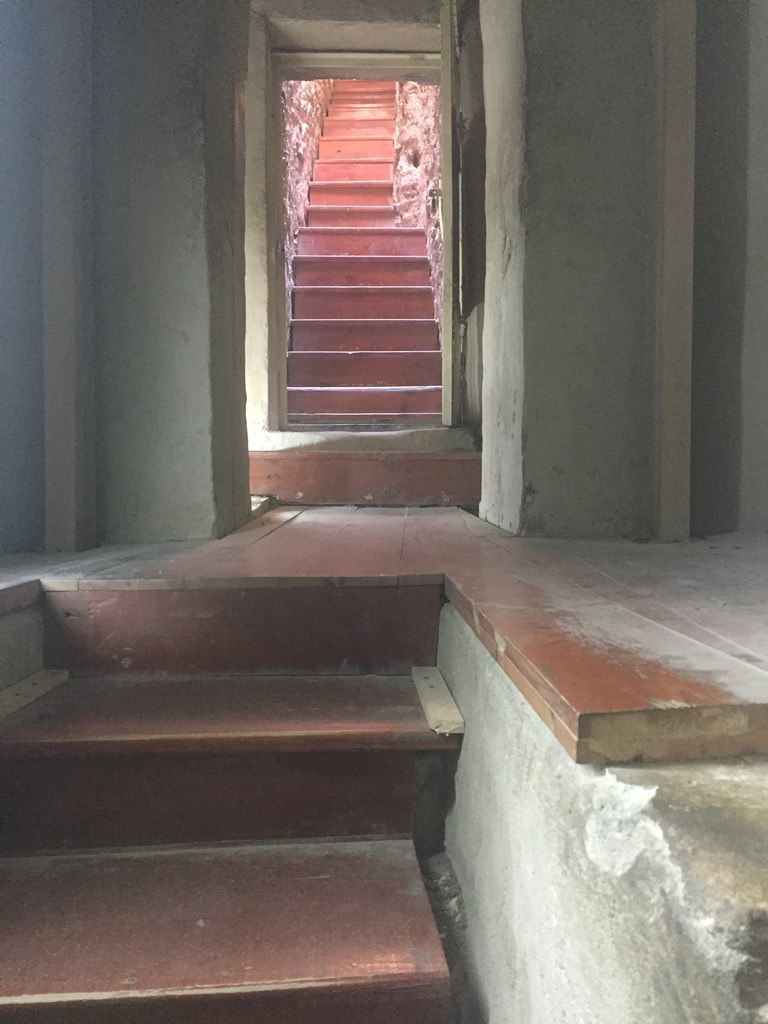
(265, 920)
(216, 713)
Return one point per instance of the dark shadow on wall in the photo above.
(21, 285)
(720, 244)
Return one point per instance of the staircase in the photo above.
(190, 834)
(364, 345)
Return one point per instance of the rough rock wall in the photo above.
(417, 170)
(305, 105)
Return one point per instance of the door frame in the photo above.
(435, 68)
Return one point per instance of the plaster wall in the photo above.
(167, 309)
(394, 25)
(503, 86)
(21, 302)
(730, 357)
(21, 645)
(720, 260)
(226, 71)
(754, 467)
(588, 406)
(471, 140)
(635, 895)
(68, 319)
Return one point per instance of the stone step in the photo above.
(352, 216)
(362, 335)
(362, 242)
(361, 270)
(304, 933)
(365, 369)
(110, 761)
(366, 400)
(371, 303)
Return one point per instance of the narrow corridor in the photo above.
(364, 344)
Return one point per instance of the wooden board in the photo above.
(440, 709)
(30, 689)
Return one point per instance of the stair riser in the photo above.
(356, 149)
(306, 1004)
(339, 336)
(355, 91)
(369, 402)
(395, 479)
(362, 303)
(350, 194)
(359, 129)
(371, 273)
(364, 369)
(315, 630)
(86, 802)
(353, 170)
(359, 242)
(350, 217)
(355, 117)
(376, 111)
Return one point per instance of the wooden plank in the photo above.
(18, 695)
(310, 629)
(355, 335)
(83, 801)
(374, 303)
(393, 479)
(366, 400)
(440, 709)
(290, 928)
(364, 369)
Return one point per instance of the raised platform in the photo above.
(627, 652)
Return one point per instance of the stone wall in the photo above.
(593, 896)
(304, 106)
(417, 171)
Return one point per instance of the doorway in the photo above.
(363, 252)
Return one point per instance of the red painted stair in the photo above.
(362, 284)
(188, 837)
